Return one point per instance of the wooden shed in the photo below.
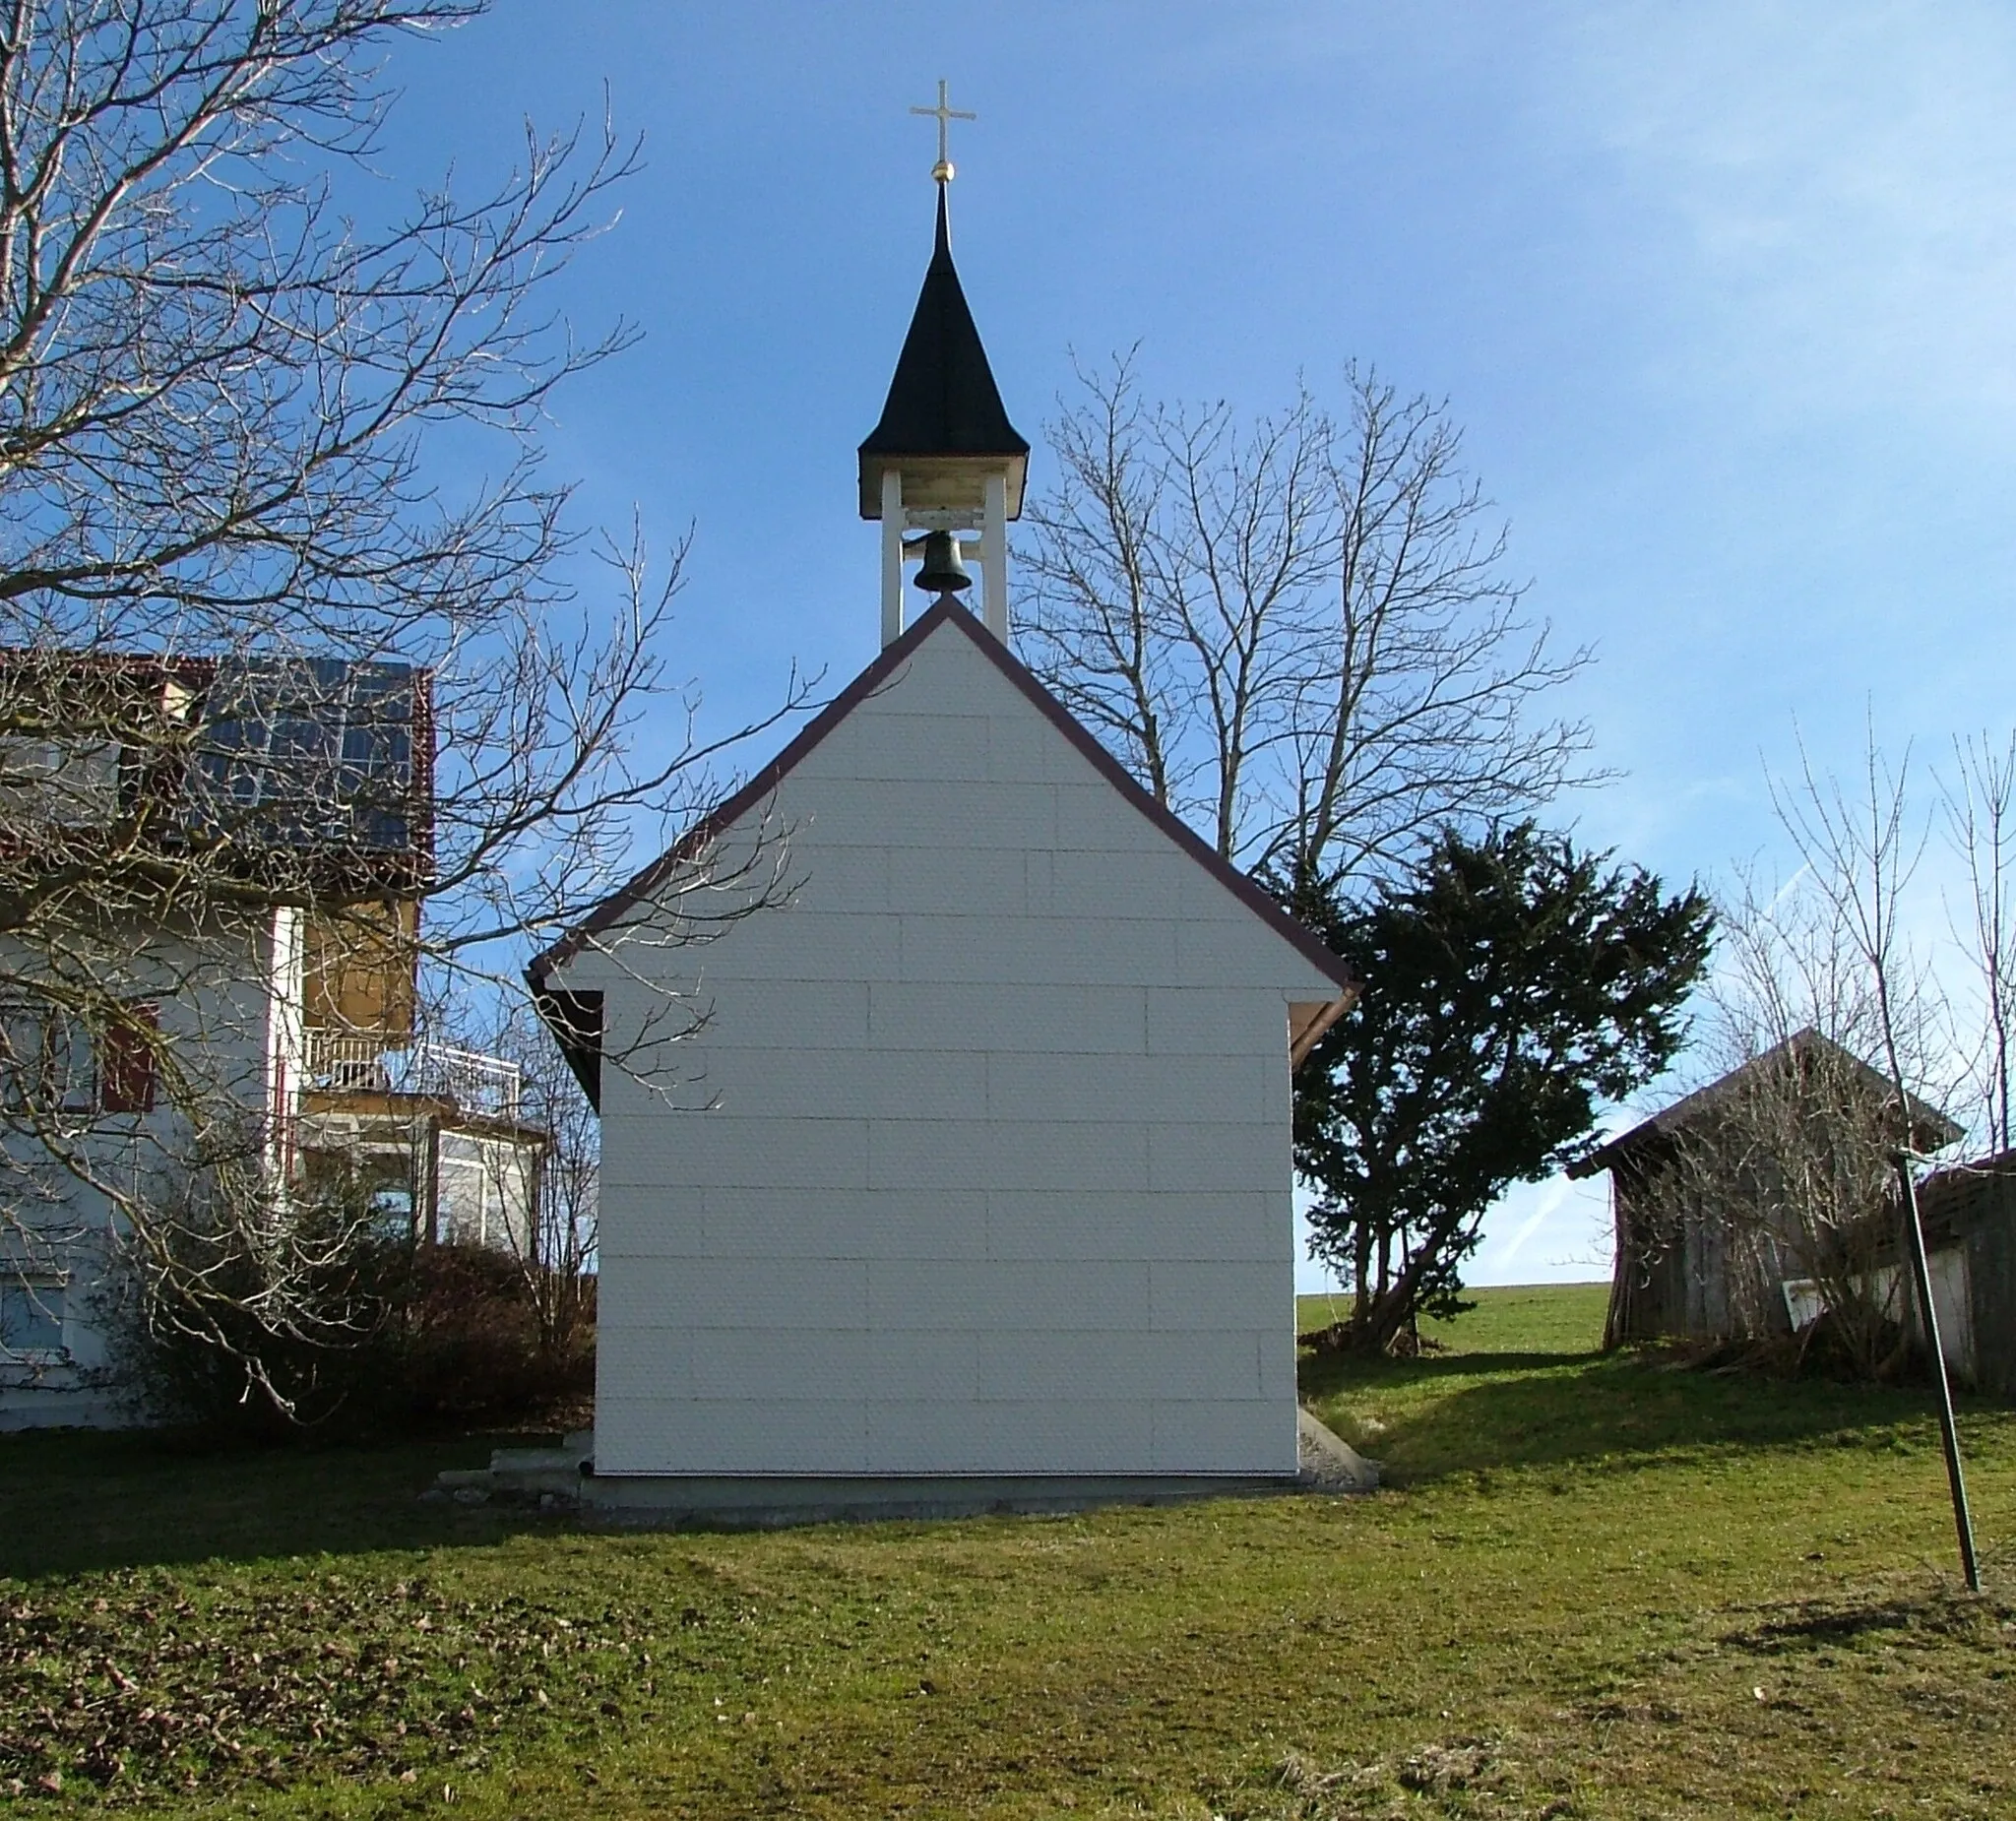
(1970, 1219)
(1686, 1268)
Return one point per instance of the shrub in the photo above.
(467, 1341)
(382, 1335)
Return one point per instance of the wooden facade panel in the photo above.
(718, 1150)
(1083, 1434)
(1028, 1084)
(875, 744)
(1016, 1017)
(1242, 1226)
(997, 1296)
(640, 1434)
(1111, 951)
(1192, 1295)
(934, 1221)
(360, 968)
(729, 1293)
(1216, 1021)
(1024, 1209)
(944, 815)
(650, 1220)
(1209, 1363)
(1218, 1155)
(1244, 1436)
(781, 946)
(990, 882)
(828, 1082)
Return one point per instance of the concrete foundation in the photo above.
(564, 1477)
(757, 1501)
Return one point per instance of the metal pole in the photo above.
(1922, 1271)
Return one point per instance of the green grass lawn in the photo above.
(1529, 1318)
(1596, 1587)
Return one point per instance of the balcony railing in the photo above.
(344, 1062)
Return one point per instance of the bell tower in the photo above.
(944, 461)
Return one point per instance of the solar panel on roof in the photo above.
(317, 751)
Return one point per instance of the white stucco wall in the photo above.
(212, 990)
(982, 1162)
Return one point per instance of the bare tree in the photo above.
(1297, 631)
(1980, 804)
(555, 1244)
(1784, 1170)
(1832, 1039)
(276, 689)
(1861, 850)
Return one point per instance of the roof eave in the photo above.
(944, 483)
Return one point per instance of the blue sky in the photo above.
(1724, 296)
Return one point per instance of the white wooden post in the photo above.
(994, 556)
(892, 556)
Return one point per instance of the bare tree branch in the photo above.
(1297, 632)
(1979, 808)
(275, 683)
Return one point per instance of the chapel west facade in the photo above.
(977, 1176)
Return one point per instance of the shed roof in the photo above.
(1954, 1201)
(1930, 1127)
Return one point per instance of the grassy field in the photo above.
(1594, 1587)
(1537, 1318)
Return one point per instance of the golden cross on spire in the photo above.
(945, 115)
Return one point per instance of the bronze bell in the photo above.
(943, 573)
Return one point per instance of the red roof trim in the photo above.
(891, 659)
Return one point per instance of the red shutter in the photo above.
(126, 1070)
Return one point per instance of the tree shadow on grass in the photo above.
(1837, 1621)
(1433, 1366)
(77, 1500)
(81, 1501)
(1538, 1410)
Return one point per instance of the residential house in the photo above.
(210, 890)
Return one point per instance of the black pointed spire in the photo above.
(943, 400)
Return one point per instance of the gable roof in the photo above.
(1927, 1122)
(942, 400)
(613, 909)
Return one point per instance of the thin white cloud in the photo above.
(1843, 174)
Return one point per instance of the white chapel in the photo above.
(974, 1182)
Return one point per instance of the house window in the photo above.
(46, 1063)
(49, 1064)
(30, 1314)
(392, 1215)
